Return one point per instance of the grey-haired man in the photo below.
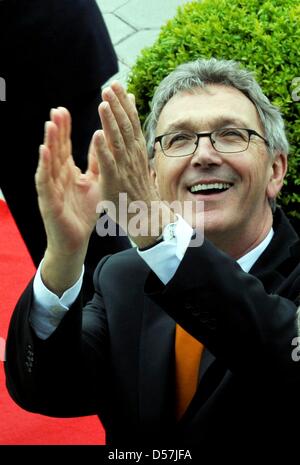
(214, 140)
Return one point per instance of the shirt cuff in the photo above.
(165, 257)
(48, 309)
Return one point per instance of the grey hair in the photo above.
(204, 72)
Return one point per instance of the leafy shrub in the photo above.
(264, 36)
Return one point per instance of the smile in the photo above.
(210, 188)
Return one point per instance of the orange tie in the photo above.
(188, 352)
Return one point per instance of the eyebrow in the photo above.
(216, 123)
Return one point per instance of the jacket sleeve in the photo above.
(65, 375)
(229, 311)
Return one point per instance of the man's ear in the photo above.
(152, 172)
(278, 172)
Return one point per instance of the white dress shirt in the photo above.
(163, 259)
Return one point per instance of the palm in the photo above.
(67, 198)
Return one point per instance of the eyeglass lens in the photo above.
(223, 140)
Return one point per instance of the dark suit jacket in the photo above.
(117, 357)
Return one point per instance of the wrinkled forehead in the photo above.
(208, 108)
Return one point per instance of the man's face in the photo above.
(251, 175)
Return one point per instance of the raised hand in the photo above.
(122, 155)
(67, 199)
(121, 147)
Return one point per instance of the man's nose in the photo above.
(205, 153)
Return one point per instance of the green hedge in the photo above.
(263, 35)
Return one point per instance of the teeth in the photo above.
(204, 187)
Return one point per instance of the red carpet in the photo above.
(18, 427)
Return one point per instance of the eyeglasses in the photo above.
(224, 140)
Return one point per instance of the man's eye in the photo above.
(181, 137)
(231, 133)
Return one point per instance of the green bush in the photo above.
(264, 36)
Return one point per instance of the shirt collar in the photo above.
(247, 261)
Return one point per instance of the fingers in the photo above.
(126, 127)
(113, 135)
(106, 160)
(43, 164)
(128, 103)
(57, 138)
(43, 172)
(51, 141)
(61, 117)
(120, 114)
(66, 123)
(93, 165)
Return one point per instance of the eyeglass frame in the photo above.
(251, 132)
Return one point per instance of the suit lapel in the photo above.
(280, 257)
(207, 359)
(156, 386)
(156, 366)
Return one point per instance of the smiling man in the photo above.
(227, 165)
(180, 345)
